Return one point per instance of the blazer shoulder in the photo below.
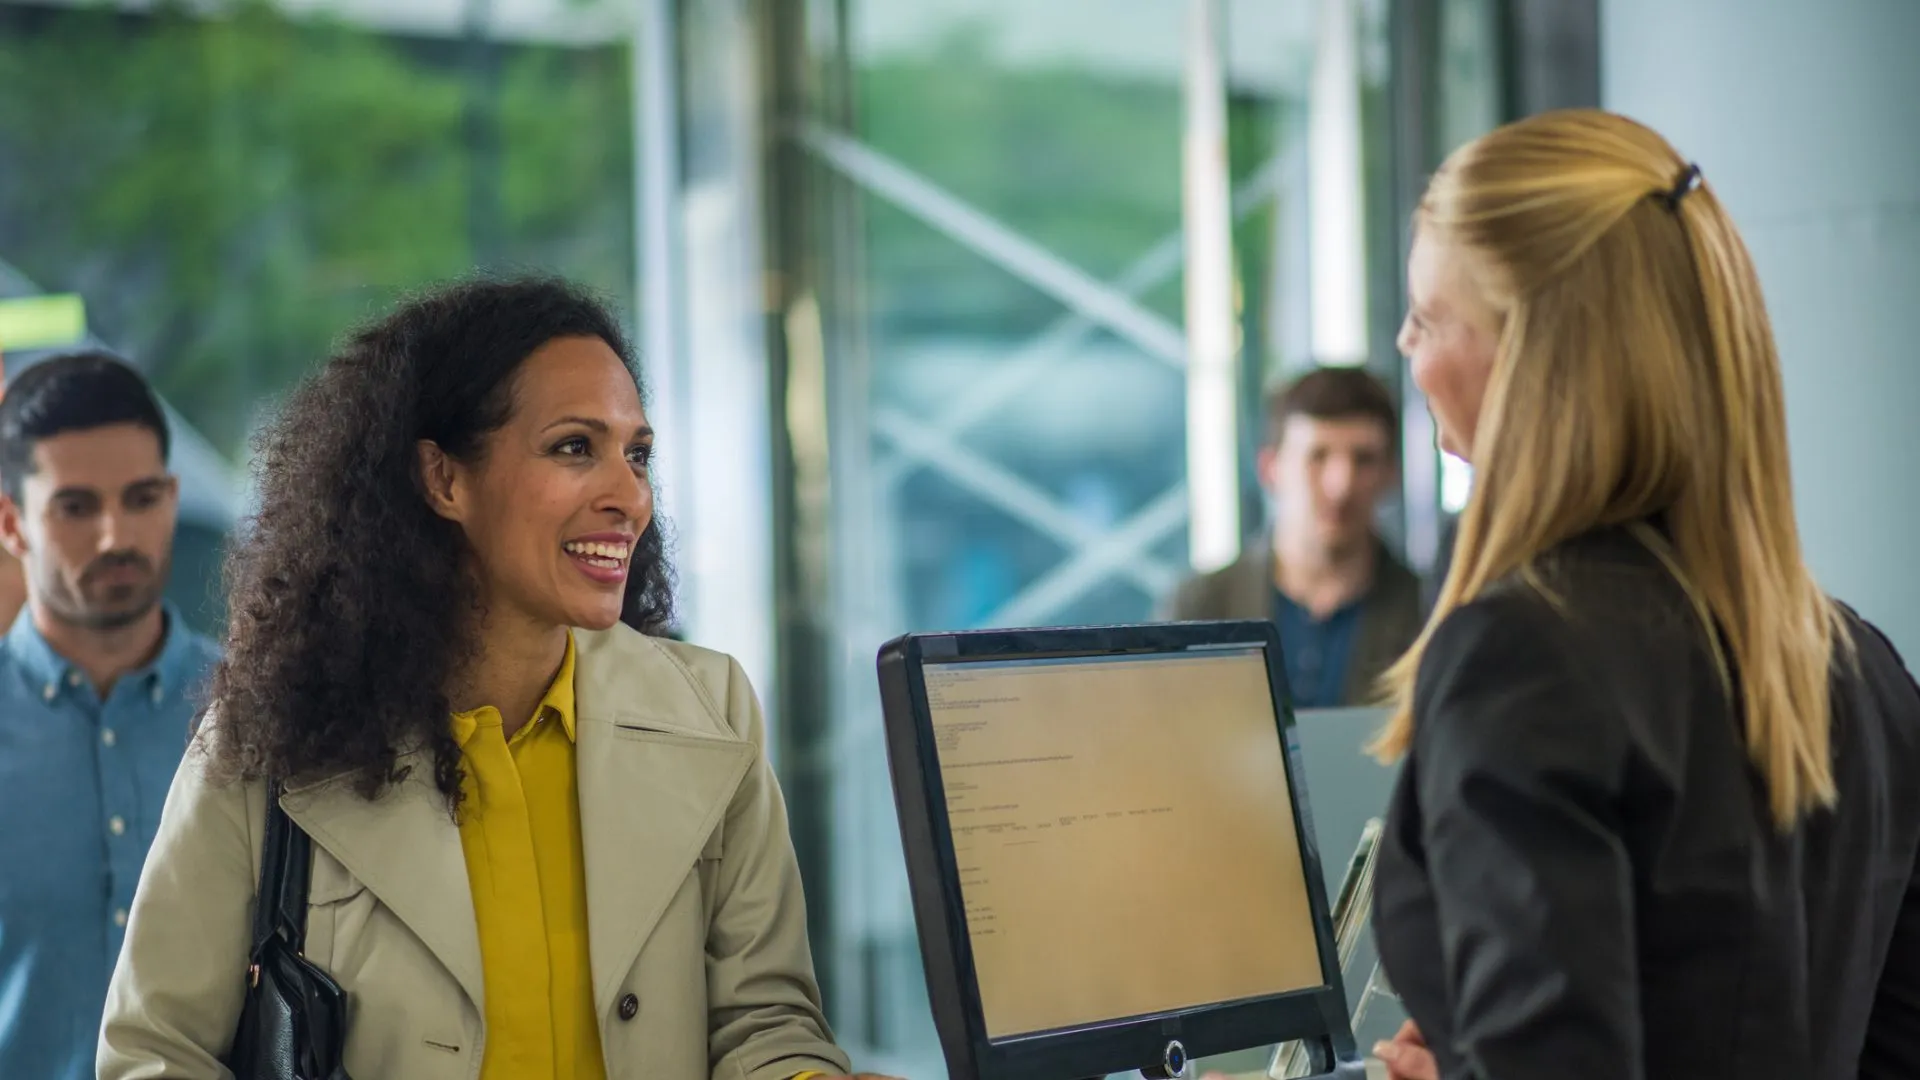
(1509, 629)
(1509, 678)
(1222, 593)
(1397, 582)
(664, 683)
(1397, 604)
(1509, 614)
(1867, 660)
(197, 799)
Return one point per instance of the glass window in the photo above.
(231, 189)
(990, 280)
(1008, 356)
(1471, 96)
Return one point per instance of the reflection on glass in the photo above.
(1015, 363)
(1007, 348)
(1456, 483)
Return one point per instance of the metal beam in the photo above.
(1118, 552)
(1006, 490)
(1010, 377)
(998, 242)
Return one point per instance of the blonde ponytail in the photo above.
(1636, 374)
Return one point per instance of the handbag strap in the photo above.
(286, 860)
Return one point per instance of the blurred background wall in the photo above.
(1806, 119)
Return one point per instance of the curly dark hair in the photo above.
(350, 605)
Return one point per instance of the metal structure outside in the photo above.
(812, 568)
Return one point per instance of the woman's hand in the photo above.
(1406, 1055)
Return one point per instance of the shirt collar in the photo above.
(558, 701)
(176, 664)
(559, 697)
(168, 671)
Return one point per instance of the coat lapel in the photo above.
(658, 766)
(1390, 620)
(1250, 592)
(405, 848)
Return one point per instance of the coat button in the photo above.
(629, 1007)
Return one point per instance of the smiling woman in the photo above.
(544, 838)
(414, 499)
(550, 507)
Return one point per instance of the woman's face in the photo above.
(553, 505)
(1450, 338)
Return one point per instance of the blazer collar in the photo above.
(658, 764)
(405, 848)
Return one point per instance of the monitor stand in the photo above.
(1323, 1059)
(1322, 1063)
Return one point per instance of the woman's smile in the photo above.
(602, 557)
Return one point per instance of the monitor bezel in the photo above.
(1317, 1014)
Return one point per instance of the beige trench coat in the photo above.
(693, 900)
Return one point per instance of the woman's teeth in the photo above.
(603, 555)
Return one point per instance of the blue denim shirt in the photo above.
(81, 786)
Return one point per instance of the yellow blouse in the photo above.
(520, 829)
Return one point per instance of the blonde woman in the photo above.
(1657, 816)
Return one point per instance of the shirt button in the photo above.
(158, 694)
(629, 1007)
(73, 679)
(117, 825)
(52, 691)
(120, 918)
(107, 737)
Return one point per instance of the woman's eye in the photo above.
(573, 447)
(640, 456)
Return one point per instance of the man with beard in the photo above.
(98, 681)
(1345, 607)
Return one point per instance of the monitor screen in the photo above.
(1131, 813)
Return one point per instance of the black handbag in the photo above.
(294, 1023)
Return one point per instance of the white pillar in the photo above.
(1213, 325)
(705, 345)
(1337, 240)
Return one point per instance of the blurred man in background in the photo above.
(98, 679)
(1346, 608)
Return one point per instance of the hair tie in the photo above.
(1688, 181)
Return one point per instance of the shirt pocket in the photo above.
(405, 1017)
(334, 896)
(706, 871)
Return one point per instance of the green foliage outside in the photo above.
(1085, 164)
(231, 194)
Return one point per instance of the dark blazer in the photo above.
(1391, 615)
(1580, 877)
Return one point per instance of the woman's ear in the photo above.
(440, 481)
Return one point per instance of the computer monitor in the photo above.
(1110, 864)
